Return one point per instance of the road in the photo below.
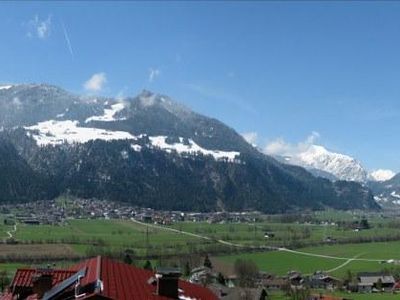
(9, 233)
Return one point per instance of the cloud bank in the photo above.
(280, 147)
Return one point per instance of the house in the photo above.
(237, 293)
(321, 280)
(269, 235)
(275, 283)
(201, 275)
(295, 279)
(103, 278)
(372, 281)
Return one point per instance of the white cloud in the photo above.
(312, 138)
(153, 74)
(96, 82)
(250, 137)
(40, 28)
(280, 147)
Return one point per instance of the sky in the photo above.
(277, 72)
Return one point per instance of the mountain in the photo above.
(150, 151)
(17, 179)
(333, 166)
(381, 175)
(387, 193)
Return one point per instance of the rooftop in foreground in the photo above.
(103, 278)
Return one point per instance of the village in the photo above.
(56, 212)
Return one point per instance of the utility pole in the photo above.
(147, 242)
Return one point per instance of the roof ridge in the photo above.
(98, 268)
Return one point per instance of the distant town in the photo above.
(56, 212)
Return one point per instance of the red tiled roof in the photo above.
(120, 281)
(396, 286)
(24, 277)
(93, 268)
(125, 282)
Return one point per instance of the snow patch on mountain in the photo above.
(5, 87)
(381, 175)
(136, 147)
(109, 114)
(54, 132)
(192, 148)
(58, 132)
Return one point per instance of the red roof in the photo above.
(24, 277)
(125, 282)
(120, 281)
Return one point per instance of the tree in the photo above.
(128, 259)
(207, 262)
(364, 224)
(379, 284)
(246, 271)
(221, 278)
(4, 280)
(147, 265)
(186, 269)
(349, 276)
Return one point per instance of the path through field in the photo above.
(332, 257)
(344, 264)
(347, 260)
(14, 230)
(192, 234)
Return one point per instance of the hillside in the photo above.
(152, 151)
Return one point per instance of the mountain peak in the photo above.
(381, 175)
(147, 99)
(342, 166)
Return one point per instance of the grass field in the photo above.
(111, 233)
(281, 262)
(80, 236)
(353, 296)
(286, 234)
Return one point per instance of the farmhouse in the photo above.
(235, 293)
(321, 280)
(371, 281)
(276, 283)
(103, 278)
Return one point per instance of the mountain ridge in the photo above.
(149, 150)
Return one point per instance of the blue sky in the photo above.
(282, 70)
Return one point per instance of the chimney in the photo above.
(167, 282)
(42, 282)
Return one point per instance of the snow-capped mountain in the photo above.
(148, 150)
(342, 167)
(335, 166)
(381, 175)
(387, 193)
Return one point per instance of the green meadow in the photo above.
(280, 262)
